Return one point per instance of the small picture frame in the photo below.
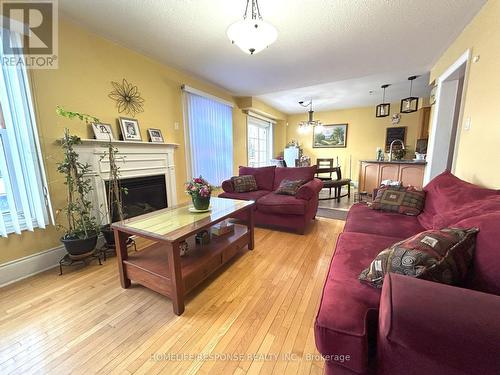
(155, 135)
(130, 129)
(103, 131)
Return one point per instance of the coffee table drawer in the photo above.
(202, 272)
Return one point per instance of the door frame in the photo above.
(463, 59)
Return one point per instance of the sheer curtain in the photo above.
(210, 137)
(23, 196)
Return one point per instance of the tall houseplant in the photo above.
(80, 233)
(115, 193)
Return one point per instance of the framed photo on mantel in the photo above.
(130, 129)
(330, 136)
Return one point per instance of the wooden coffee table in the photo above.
(160, 267)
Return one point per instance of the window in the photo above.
(209, 136)
(260, 141)
(24, 203)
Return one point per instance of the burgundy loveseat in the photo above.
(414, 326)
(276, 210)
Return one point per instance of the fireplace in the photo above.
(144, 194)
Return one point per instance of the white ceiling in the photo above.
(319, 41)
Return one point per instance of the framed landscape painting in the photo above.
(330, 136)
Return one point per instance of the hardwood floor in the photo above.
(255, 316)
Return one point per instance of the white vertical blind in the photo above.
(23, 182)
(210, 137)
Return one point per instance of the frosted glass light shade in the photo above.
(252, 35)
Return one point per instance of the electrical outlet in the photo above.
(467, 124)
(176, 125)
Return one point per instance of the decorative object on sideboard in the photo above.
(130, 129)
(127, 97)
(102, 131)
(81, 230)
(383, 109)
(200, 191)
(304, 126)
(330, 136)
(155, 135)
(409, 104)
(252, 34)
(396, 119)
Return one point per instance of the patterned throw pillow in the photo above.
(288, 187)
(243, 184)
(443, 256)
(403, 200)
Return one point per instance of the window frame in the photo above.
(260, 122)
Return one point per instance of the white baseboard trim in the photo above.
(30, 265)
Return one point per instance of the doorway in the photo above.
(447, 116)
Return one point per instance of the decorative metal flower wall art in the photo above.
(127, 97)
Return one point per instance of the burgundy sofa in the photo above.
(275, 210)
(414, 326)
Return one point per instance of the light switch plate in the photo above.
(176, 125)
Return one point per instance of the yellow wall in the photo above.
(87, 65)
(365, 133)
(478, 152)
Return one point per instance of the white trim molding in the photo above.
(30, 265)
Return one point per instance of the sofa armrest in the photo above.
(435, 326)
(310, 189)
(227, 186)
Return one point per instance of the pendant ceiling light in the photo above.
(310, 123)
(409, 104)
(384, 109)
(252, 34)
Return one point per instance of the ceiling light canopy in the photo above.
(252, 34)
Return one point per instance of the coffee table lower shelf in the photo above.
(150, 267)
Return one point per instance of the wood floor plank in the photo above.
(256, 316)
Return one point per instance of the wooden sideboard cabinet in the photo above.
(372, 173)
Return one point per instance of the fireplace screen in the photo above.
(145, 194)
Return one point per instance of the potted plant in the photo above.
(115, 191)
(200, 190)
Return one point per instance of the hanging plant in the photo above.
(127, 97)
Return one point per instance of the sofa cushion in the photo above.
(485, 272)
(245, 183)
(399, 199)
(281, 204)
(347, 315)
(301, 173)
(362, 219)
(248, 196)
(264, 176)
(470, 209)
(288, 187)
(442, 256)
(447, 192)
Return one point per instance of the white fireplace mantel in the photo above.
(135, 159)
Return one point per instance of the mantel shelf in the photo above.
(117, 142)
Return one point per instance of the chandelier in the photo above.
(310, 123)
(252, 34)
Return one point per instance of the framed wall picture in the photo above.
(130, 129)
(330, 136)
(155, 135)
(103, 132)
(393, 133)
